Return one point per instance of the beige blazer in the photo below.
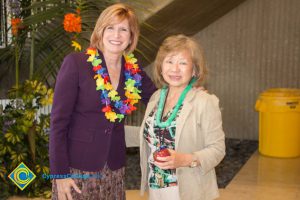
(199, 131)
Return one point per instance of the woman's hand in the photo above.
(64, 187)
(174, 161)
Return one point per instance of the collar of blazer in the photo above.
(185, 111)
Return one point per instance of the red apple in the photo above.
(161, 153)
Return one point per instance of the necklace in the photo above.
(114, 107)
(161, 103)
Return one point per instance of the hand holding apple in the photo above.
(170, 159)
(163, 152)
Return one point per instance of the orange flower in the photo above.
(72, 23)
(15, 22)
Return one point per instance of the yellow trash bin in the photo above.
(279, 122)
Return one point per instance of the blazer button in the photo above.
(107, 131)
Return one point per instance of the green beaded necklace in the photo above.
(161, 103)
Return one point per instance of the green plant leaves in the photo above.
(24, 138)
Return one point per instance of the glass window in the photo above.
(3, 24)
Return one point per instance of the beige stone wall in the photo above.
(254, 47)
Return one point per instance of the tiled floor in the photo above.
(261, 178)
(265, 178)
(130, 195)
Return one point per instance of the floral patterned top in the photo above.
(156, 137)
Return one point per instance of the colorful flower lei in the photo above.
(115, 108)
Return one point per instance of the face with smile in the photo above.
(177, 69)
(116, 37)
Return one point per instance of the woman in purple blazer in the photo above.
(94, 91)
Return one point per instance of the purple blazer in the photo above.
(80, 135)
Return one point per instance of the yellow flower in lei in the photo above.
(113, 95)
(108, 86)
(92, 53)
(111, 116)
(114, 107)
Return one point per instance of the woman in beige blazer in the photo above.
(183, 122)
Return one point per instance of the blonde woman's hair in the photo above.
(179, 43)
(116, 13)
